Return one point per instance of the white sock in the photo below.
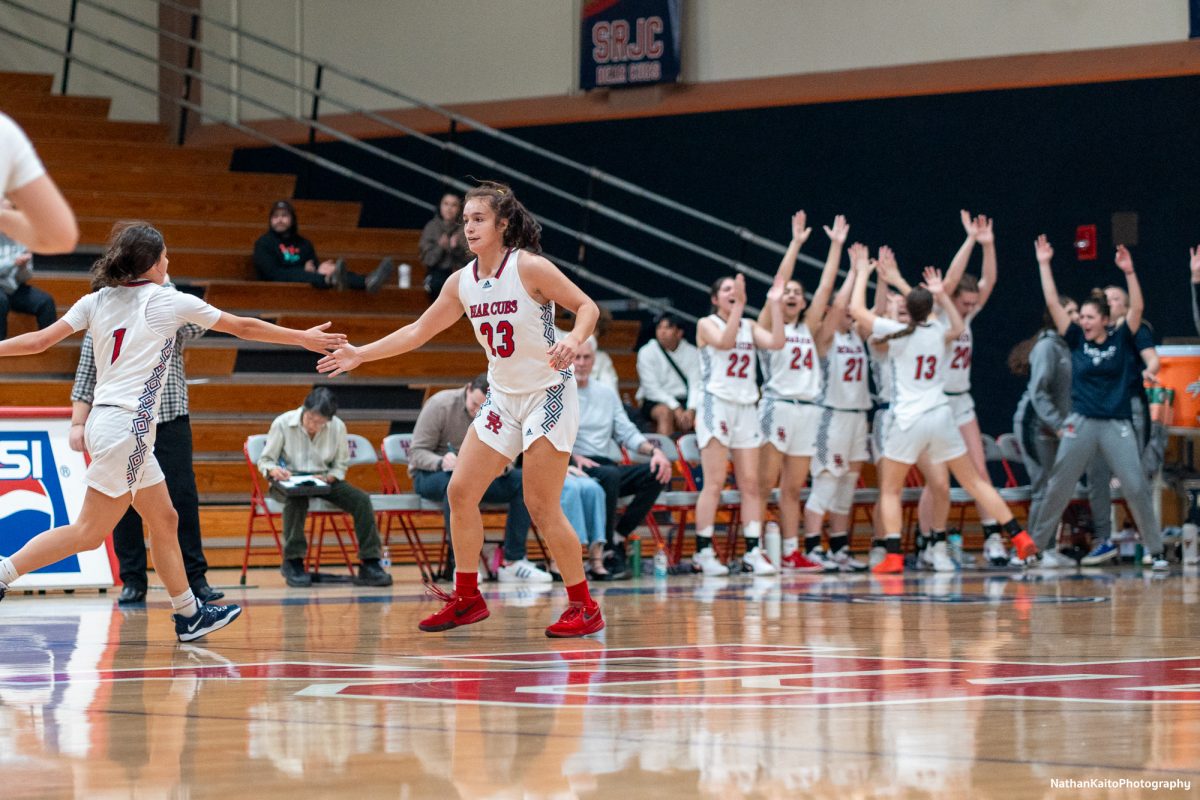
(185, 604)
(791, 545)
(8, 573)
(752, 530)
(987, 521)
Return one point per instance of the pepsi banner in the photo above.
(42, 487)
(629, 43)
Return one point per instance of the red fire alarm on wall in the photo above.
(1085, 242)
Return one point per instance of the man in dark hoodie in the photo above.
(282, 254)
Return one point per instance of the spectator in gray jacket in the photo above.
(16, 268)
(443, 246)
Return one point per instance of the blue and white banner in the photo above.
(629, 43)
(42, 487)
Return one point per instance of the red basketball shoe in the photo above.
(1025, 546)
(577, 620)
(798, 562)
(457, 612)
(892, 563)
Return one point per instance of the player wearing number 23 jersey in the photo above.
(527, 398)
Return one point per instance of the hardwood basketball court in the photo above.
(979, 684)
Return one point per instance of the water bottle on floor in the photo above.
(660, 563)
(385, 560)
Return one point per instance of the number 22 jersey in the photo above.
(731, 374)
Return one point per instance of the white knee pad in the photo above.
(823, 495)
(843, 499)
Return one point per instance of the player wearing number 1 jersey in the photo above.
(508, 292)
(727, 423)
(133, 320)
(788, 412)
(922, 419)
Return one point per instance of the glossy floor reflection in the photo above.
(972, 685)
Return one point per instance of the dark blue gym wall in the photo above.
(1038, 160)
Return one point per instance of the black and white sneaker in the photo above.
(3, 591)
(204, 621)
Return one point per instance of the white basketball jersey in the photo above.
(730, 374)
(846, 369)
(958, 363)
(133, 331)
(793, 372)
(918, 368)
(514, 330)
(881, 370)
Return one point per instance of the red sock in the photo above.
(579, 593)
(466, 584)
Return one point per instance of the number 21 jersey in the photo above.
(513, 329)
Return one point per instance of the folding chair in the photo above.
(396, 507)
(678, 500)
(266, 514)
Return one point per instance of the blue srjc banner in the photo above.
(629, 43)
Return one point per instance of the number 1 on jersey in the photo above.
(118, 337)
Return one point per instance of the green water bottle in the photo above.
(634, 543)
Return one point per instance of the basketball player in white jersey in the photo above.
(922, 418)
(133, 319)
(508, 292)
(787, 412)
(841, 436)
(970, 295)
(39, 216)
(727, 422)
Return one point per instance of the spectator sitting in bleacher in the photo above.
(16, 267)
(669, 378)
(437, 437)
(443, 246)
(282, 254)
(603, 424)
(311, 440)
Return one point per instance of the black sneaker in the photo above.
(372, 573)
(338, 278)
(293, 572)
(381, 275)
(132, 593)
(205, 593)
(204, 621)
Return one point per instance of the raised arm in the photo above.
(771, 338)
(706, 330)
(257, 330)
(863, 316)
(839, 309)
(1045, 254)
(820, 299)
(958, 264)
(787, 265)
(444, 312)
(987, 241)
(889, 272)
(36, 341)
(1137, 304)
(937, 287)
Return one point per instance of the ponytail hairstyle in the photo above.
(919, 303)
(133, 249)
(523, 230)
(715, 289)
(967, 283)
(1098, 299)
(1018, 357)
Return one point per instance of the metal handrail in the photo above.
(599, 244)
(594, 173)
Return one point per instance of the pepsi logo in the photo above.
(31, 496)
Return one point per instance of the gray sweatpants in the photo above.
(1113, 440)
(1041, 451)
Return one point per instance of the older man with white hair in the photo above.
(603, 425)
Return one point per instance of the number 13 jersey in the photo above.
(731, 374)
(513, 329)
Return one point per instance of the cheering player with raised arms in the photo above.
(133, 319)
(508, 292)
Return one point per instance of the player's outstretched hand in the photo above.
(983, 230)
(344, 359)
(800, 229)
(933, 281)
(1195, 263)
(562, 354)
(1043, 250)
(1123, 260)
(839, 231)
(318, 340)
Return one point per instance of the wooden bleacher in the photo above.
(210, 217)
